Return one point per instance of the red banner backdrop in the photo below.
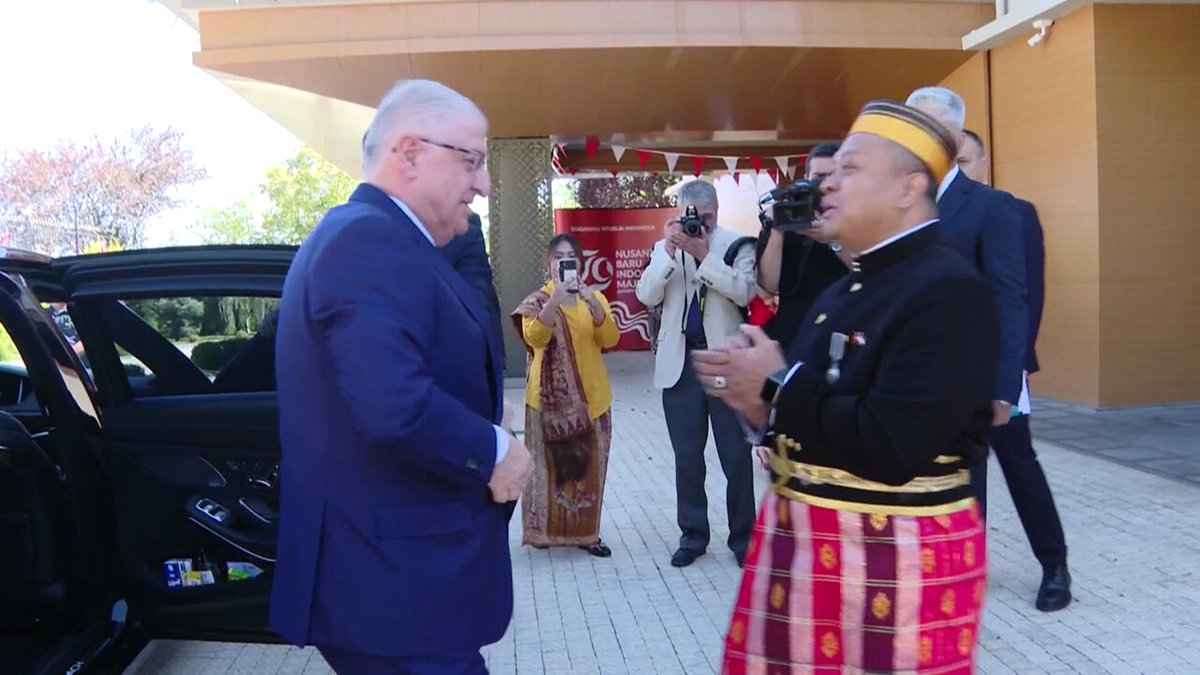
(616, 248)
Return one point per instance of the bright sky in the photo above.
(80, 68)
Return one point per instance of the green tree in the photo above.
(301, 191)
(626, 191)
(298, 193)
(234, 224)
(174, 318)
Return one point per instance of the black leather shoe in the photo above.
(1055, 593)
(685, 556)
(741, 559)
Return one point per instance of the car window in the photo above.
(199, 345)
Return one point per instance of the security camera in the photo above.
(1041, 26)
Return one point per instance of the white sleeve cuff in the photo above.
(501, 444)
(789, 376)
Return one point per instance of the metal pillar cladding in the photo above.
(521, 223)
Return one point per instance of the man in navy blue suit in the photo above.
(982, 225)
(393, 548)
(1013, 443)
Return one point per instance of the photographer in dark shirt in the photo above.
(798, 266)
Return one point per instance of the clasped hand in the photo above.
(512, 474)
(736, 373)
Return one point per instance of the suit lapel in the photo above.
(372, 195)
(954, 198)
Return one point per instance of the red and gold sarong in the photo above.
(833, 590)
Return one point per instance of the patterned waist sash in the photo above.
(839, 489)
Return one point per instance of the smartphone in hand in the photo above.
(568, 270)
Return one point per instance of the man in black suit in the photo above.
(799, 266)
(1014, 446)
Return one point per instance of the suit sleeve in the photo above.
(652, 285)
(737, 282)
(377, 314)
(1035, 283)
(1002, 261)
(935, 374)
(473, 265)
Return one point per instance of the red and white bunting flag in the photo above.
(593, 144)
(644, 158)
(757, 163)
(731, 163)
(698, 165)
(618, 151)
(672, 158)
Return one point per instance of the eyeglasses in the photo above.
(477, 158)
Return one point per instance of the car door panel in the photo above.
(179, 451)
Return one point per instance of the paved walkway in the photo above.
(1164, 440)
(1134, 538)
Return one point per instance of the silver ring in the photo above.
(719, 382)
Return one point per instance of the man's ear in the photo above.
(913, 189)
(407, 150)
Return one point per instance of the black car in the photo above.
(139, 451)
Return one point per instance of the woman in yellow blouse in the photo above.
(568, 401)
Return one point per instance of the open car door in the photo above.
(180, 345)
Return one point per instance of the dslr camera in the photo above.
(793, 207)
(691, 222)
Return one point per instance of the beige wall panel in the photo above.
(1148, 89)
(1044, 150)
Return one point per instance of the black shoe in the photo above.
(598, 549)
(741, 558)
(1055, 593)
(685, 556)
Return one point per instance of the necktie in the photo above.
(694, 328)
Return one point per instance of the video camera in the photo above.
(794, 207)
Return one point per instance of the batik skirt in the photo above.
(562, 504)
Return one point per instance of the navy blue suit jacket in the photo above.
(983, 225)
(1035, 277)
(389, 541)
(467, 253)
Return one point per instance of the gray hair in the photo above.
(415, 106)
(943, 105)
(698, 193)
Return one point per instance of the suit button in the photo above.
(472, 464)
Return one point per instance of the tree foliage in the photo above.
(297, 193)
(100, 193)
(626, 191)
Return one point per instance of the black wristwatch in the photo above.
(774, 385)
